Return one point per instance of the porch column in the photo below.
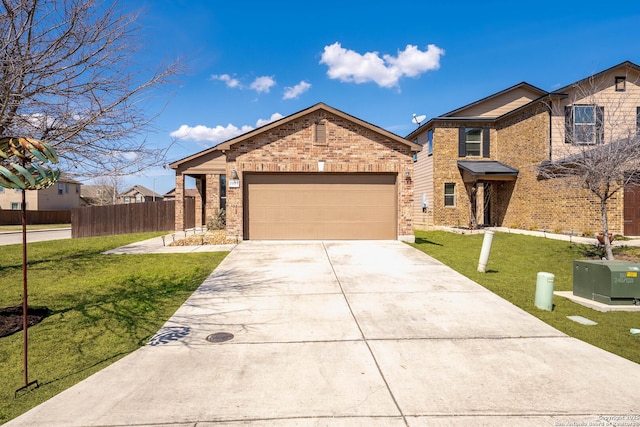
(212, 198)
(199, 197)
(480, 203)
(179, 218)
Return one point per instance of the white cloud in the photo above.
(350, 66)
(219, 133)
(292, 92)
(273, 118)
(262, 84)
(214, 135)
(228, 80)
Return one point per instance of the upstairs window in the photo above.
(60, 188)
(430, 142)
(473, 142)
(621, 83)
(584, 124)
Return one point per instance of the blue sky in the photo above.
(250, 62)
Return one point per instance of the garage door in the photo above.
(320, 206)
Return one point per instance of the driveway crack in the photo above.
(364, 339)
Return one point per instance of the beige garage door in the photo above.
(320, 206)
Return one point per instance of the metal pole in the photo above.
(25, 322)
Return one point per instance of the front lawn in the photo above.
(102, 307)
(512, 271)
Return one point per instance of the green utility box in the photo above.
(608, 282)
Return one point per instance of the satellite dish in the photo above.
(418, 119)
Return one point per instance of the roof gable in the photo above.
(625, 67)
(499, 103)
(139, 189)
(319, 106)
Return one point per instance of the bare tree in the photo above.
(601, 149)
(110, 187)
(68, 76)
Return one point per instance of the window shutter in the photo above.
(599, 124)
(462, 143)
(486, 143)
(568, 124)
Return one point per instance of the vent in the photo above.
(321, 133)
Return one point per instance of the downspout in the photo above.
(550, 132)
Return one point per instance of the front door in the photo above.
(632, 210)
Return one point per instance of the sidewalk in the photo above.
(161, 245)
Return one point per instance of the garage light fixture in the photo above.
(407, 174)
(234, 174)
(320, 165)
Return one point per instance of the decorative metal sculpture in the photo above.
(22, 167)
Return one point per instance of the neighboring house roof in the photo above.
(319, 106)
(188, 192)
(454, 116)
(94, 191)
(522, 85)
(139, 189)
(625, 64)
(66, 178)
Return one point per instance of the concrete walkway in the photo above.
(349, 334)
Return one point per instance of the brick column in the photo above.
(179, 201)
(480, 203)
(199, 197)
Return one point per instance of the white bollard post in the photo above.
(484, 253)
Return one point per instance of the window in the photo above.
(473, 142)
(223, 192)
(449, 194)
(584, 124)
(60, 188)
(66, 187)
(127, 199)
(430, 142)
(138, 198)
(1, 189)
(621, 83)
(15, 206)
(78, 189)
(415, 157)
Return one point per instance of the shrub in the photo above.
(219, 222)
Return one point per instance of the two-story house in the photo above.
(63, 195)
(480, 163)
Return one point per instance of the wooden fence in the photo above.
(14, 217)
(128, 218)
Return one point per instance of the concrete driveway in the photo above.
(349, 333)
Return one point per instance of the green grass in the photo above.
(512, 271)
(33, 227)
(102, 308)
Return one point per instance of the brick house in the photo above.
(480, 163)
(139, 194)
(316, 174)
(61, 196)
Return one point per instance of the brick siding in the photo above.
(349, 148)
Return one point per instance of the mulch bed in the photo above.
(11, 318)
